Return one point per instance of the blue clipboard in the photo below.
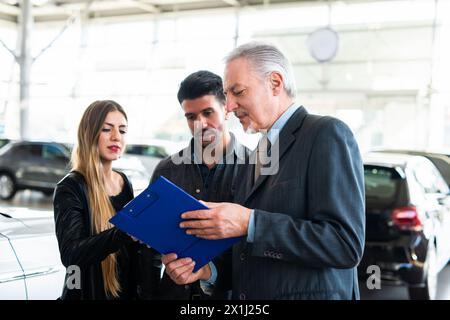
(154, 217)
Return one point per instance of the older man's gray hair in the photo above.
(264, 59)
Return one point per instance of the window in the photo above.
(24, 151)
(381, 183)
(52, 152)
(144, 150)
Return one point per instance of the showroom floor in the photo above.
(400, 293)
(36, 200)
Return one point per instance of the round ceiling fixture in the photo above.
(323, 44)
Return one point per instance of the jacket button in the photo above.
(242, 256)
(242, 296)
(197, 190)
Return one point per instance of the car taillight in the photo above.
(407, 218)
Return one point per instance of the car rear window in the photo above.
(381, 183)
(148, 150)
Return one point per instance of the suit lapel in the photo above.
(285, 140)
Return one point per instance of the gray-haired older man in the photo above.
(303, 219)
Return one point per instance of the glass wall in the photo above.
(9, 111)
(388, 81)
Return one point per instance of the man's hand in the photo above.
(222, 220)
(181, 270)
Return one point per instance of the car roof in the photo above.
(440, 160)
(390, 160)
(427, 153)
(34, 142)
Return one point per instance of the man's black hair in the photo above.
(199, 84)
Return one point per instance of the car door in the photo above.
(12, 280)
(24, 158)
(55, 162)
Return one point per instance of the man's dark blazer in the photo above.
(309, 216)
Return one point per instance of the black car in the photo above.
(31, 165)
(407, 222)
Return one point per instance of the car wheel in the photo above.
(428, 292)
(7, 186)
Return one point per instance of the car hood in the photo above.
(25, 223)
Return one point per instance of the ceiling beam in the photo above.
(9, 9)
(55, 10)
(234, 3)
(145, 6)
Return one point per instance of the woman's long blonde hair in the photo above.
(86, 160)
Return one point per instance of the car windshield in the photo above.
(381, 184)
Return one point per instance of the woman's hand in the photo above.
(137, 240)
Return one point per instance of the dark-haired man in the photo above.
(206, 169)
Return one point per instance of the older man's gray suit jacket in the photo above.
(309, 216)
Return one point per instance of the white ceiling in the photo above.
(51, 10)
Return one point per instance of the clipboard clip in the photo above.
(148, 198)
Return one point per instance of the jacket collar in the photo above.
(282, 144)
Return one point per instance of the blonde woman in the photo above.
(101, 260)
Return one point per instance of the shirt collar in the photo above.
(276, 128)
